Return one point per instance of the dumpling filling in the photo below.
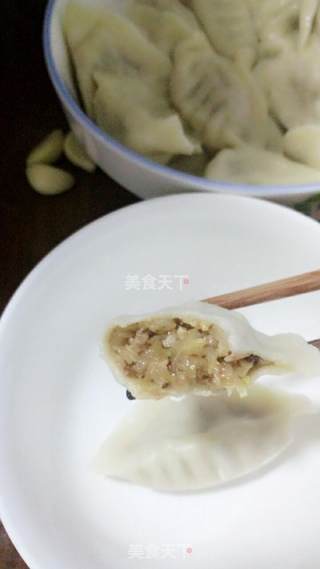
(173, 356)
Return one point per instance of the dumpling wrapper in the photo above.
(199, 348)
(249, 165)
(284, 24)
(291, 82)
(197, 442)
(219, 99)
(274, 140)
(244, 118)
(199, 81)
(302, 143)
(180, 9)
(100, 39)
(229, 27)
(165, 23)
(308, 14)
(138, 114)
(277, 24)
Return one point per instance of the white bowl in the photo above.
(141, 176)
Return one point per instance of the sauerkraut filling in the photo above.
(172, 356)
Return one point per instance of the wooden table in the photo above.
(31, 225)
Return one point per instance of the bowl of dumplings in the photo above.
(172, 96)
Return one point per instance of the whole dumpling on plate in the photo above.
(199, 442)
(201, 349)
(100, 39)
(250, 165)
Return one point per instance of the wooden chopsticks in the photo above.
(307, 282)
(284, 288)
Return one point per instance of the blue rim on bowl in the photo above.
(209, 185)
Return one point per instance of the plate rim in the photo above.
(40, 265)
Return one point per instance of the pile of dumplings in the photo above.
(228, 89)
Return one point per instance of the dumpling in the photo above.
(291, 82)
(197, 81)
(164, 24)
(229, 27)
(302, 143)
(283, 24)
(242, 118)
(249, 165)
(215, 97)
(138, 114)
(308, 12)
(276, 24)
(164, 29)
(180, 9)
(198, 442)
(99, 39)
(200, 349)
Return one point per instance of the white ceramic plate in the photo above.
(58, 400)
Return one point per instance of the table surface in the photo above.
(31, 225)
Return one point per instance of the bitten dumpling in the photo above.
(249, 165)
(199, 349)
(199, 442)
